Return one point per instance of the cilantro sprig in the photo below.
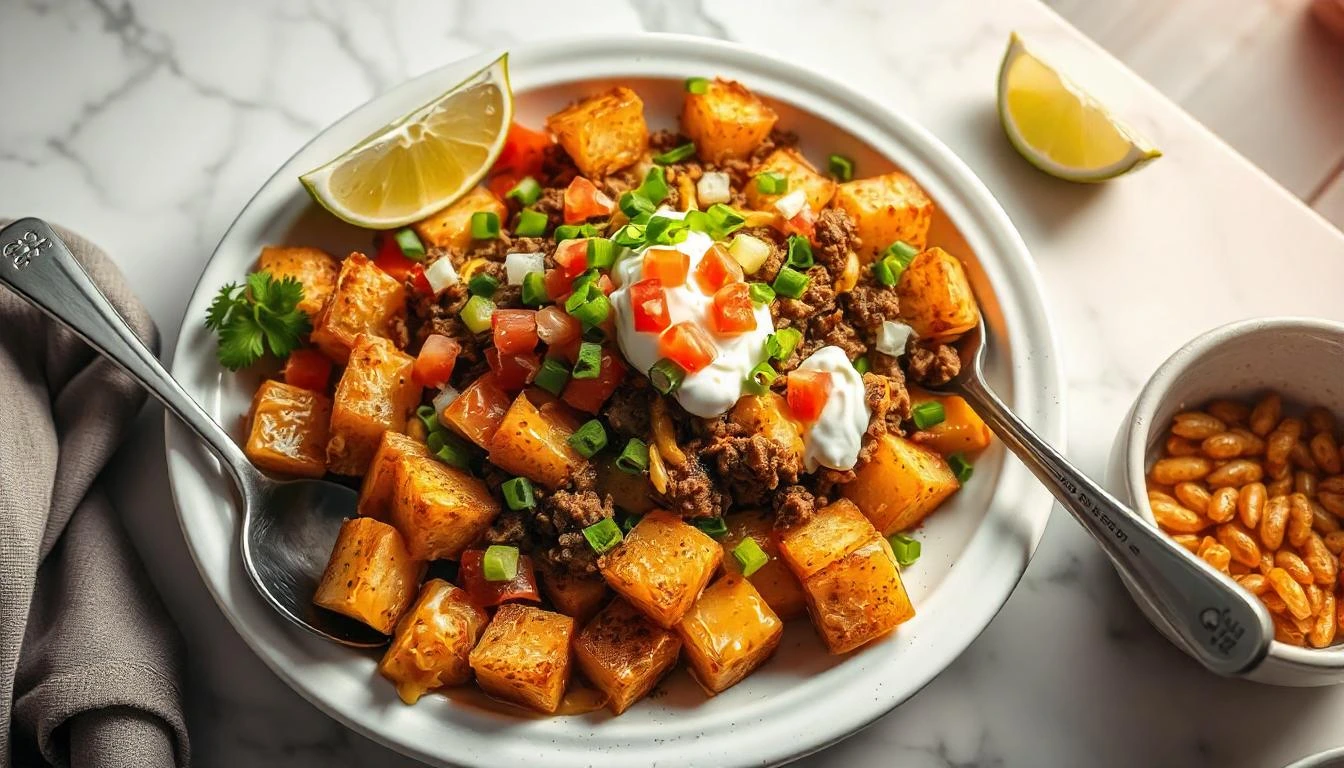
(259, 315)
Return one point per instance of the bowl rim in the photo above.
(1036, 371)
(1154, 395)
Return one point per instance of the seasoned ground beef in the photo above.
(932, 365)
(561, 516)
(770, 267)
(793, 505)
(509, 528)
(867, 306)
(830, 328)
(691, 492)
(835, 240)
(889, 403)
(750, 465)
(628, 409)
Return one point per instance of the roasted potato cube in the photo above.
(768, 415)
(366, 300)
(900, 485)
(573, 595)
(440, 509)
(961, 430)
(728, 633)
(524, 657)
(375, 394)
(433, 640)
(629, 492)
(827, 536)
(661, 566)
(776, 583)
(534, 445)
(885, 209)
(451, 227)
(315, 269)
(936, 298)
(726, 122)
(801, 175)
(624, 654)
(602, 133)
(375, 495)
(287, 430)
(371, 576)
(476, 413)
(858, 598)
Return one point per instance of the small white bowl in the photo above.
(1302, 359)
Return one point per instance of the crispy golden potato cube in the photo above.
(433, 640)
(936, 298)
(535, 445)
(885, 209)
(961, 430)
(440, 509)
(830, 534)
(287, 430)
(602, 133)
(728, 633)
(662, 566)
(451, 227)
(778, 586)
(726, 122)
(377, 490)
(801, 175)
(573, 595)
(315, 269)
(768, 415)
(900, 485)
(371, 576)
(624, 654)
(629, 492)
(375, 394)
(524, 657)
(858, 598)
(367, 300)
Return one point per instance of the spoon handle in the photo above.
(39, 267)
(1224, 626)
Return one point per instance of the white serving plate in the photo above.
(802, 700)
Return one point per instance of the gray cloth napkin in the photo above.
(90, 662)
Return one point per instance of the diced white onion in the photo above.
(441, 274)
(444, 399)
(713, 187)
(750, 252)
(790, 204)
(516, 265)
(893, 337)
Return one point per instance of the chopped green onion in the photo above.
(526, 192)
(410, 244)
(484, 225)
(928, 414)
(676, 154)
(886, 271)
(697, 85)
(589, 438)
(750, 556)
(476, 314)
(772, 183)
(630, 236)
(713, 526)
(779, 345)
(759, 379)
(430, 417)
(500, 563)
(634, 457)
(534, 289)
(862, 365)
(628, 522)
(575, 231)
(698, 221)
(584, 290)
(800, 252)
(666, 376)
(904, 548)
(451, 450)
(552, 376)
(594, 334)
(483, 285)
(760, 293)
(636, 206)
(724, 219)
(790, 282)
(960, 467)
(661, 230)
(903, 251)
(589, 362)
(591, 306)
(841, 167)
(530, 223)
(601, 253)
(654, 188)
(603, 536)
(518, 493)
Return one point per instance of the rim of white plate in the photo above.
(818, 710)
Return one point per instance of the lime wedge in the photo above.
(1058, 128)
(423, 161)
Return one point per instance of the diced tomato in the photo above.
(434, 365)
(308, 369)
(484, 594)
(500, 183)
(648, 304)
(477, 412)
(556, 326)
(716, 270)
(391, 260)
(604, 284)
(669, 266)
(583, 201)
(589, 394)
(733, 311)
(571, 257)
(687, 346)
(523, 152)
(804, 223)
(513, 372)
(807, 393)
(515, 330)
(558, 287)
(419, 281)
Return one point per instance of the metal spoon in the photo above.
(1223, 626)
(289, 527)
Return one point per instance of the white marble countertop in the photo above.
(146, 124)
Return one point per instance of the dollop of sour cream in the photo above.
(714, 389)
(835, 438)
